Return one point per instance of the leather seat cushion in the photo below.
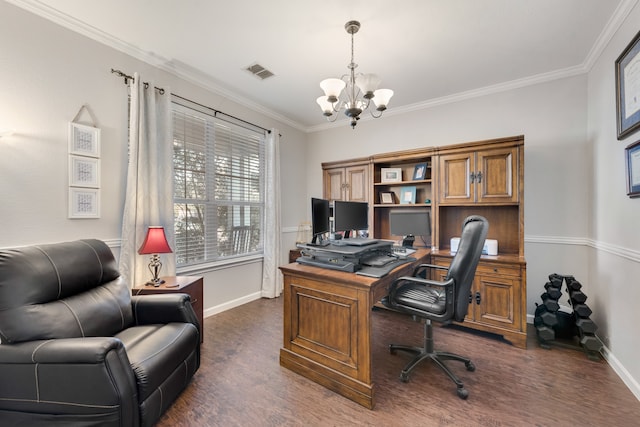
(419, 297)
(156, 351)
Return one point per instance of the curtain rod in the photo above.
(215, 112)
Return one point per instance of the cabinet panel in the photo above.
(455, 185)
(498, 303)
(334, 184)
(357, 187)
(497, 175)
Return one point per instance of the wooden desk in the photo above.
(327, 325)
(191, 285)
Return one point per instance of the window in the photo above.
(218, 187)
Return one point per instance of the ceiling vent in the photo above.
(259, 71)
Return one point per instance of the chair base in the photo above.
(438, 357)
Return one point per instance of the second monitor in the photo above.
(410, 223)
(349, 216)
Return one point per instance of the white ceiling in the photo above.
(427, 51)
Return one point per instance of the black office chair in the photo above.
(442, 301)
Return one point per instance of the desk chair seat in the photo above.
(441, 301)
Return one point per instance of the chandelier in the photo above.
(361, 89)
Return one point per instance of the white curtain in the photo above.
(271, 275)
(149, 192)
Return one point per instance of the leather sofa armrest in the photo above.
(163, 308)
(68, 376)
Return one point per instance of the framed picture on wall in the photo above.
(84, 172)
(84, 140)
(628, 88)
(632, 164)
(84, 203)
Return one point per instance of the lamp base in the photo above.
(155, 282)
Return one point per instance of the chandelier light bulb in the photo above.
(381, 98)
(332, 88)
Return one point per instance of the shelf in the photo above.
(402, 183)
(402, 205)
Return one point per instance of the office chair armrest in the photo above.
(426, 282)
(424, 266)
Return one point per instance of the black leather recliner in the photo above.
(78, 350)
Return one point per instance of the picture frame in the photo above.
(627, 70)
(387, 198)
(390, 174)
(84, 140)
(420, 171)
(408, 195)
(84, 171)
(84, 203)
(632, 166)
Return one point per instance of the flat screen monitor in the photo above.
(349, 216)
(319, 218)
(410, 223)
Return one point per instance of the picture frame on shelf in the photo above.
(628, 89)
(390, 174)
(84, 140)
(632, 163)
(408, 195)
(387, 198)
(420, 172)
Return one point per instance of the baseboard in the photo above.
(231, 304)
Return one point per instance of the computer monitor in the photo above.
(349, 216)
(410, 223)
(319, 218)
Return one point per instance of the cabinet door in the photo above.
(455, 171)
(357, 183)
(496, 175)
(334, 183)
(495, 302)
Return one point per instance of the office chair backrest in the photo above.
(464, 263)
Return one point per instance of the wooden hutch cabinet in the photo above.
(348, 181)
(477, 178)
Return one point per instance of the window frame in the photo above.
(243, 152)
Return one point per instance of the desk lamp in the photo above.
(155, 243)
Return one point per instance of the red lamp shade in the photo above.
(155, 242)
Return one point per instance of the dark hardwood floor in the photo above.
(241, 383)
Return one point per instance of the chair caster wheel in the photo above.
(470, 366)
(463, 393)
(404, 377)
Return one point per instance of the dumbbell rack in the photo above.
(555, 327)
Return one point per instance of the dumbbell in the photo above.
(545, 333)
(556, 280)
(572, 284)
(590, 342)
(544, 316)
(582, 310)
(550, 302)
(586, 325)
(577, 297)
(553, 291)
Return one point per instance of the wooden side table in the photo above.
(191, 285)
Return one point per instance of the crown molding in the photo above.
(206, 82)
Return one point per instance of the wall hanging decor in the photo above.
(84, 168)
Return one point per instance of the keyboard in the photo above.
(378, 259)
(385, 269)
